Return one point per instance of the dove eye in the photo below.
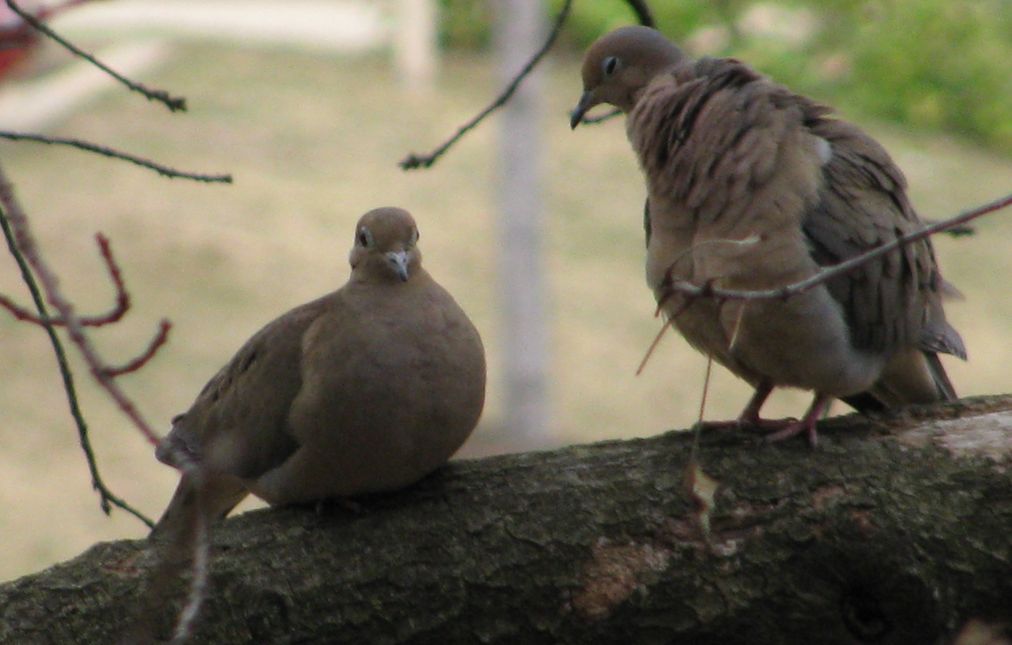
(609, 65)
(364, 237)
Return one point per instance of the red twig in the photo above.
(114, 315)
(75, 327)
(135, 364)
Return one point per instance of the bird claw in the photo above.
(793, 429)
(777, 429)
(742, 423)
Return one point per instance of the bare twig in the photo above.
(660, 333)
(414, 160)
(201, 553)
(140, 361)
(709, 290)
(106, 496)
(642, 12)
(24, 243)
(161, 169)
(174, 103)
(113, 315)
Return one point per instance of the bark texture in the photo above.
(897, 529)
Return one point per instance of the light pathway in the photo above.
(335, 25)
(35, 104)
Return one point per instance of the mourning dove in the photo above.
(751, 186)
(366, 389)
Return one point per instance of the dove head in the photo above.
(385, 246)
(620, 64)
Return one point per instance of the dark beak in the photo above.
(586, 102)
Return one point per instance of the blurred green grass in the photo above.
(313, 142)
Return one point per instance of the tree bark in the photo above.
(896, 529)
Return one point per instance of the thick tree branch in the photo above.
(894, 531)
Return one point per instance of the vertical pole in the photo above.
(518, 31)
(415, 44)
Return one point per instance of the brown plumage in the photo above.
(366, 389)
(754, 187)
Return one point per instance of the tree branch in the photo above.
(708, 290)
(413, 160)
(866, 539)
(25, 243)
(643, 13)
(160, 338)
(161, 169)
(113, 315)
(107, 498)
(174, 103)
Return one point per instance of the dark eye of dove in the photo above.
(609, 65)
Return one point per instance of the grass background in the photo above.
(313, 141)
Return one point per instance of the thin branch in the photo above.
(107, 498)
(642, 12)
(113, 315)
(200, 570)
(135, 364)
(708, 290)
(174, 103)
(50, 286)
(414, 160)
(161, 169)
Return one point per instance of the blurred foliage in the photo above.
(934, 64)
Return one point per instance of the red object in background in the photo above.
(18, 39)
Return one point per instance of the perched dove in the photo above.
(751, 186)
(366, 389)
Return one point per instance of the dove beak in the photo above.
(399, 261)
(587, 101)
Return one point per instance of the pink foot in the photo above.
(745, 423)
(749, 417)
(806, 424)
(795, 428)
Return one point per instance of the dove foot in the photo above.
(806, 424)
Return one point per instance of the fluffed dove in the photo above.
(750, 186)
(366, 389)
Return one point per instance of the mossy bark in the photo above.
(896, 529)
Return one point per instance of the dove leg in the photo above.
(806, 424)
(749, 417)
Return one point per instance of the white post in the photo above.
(519, 30)
(415, 44)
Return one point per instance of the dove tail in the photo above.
(911, 377)
(941, 378)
